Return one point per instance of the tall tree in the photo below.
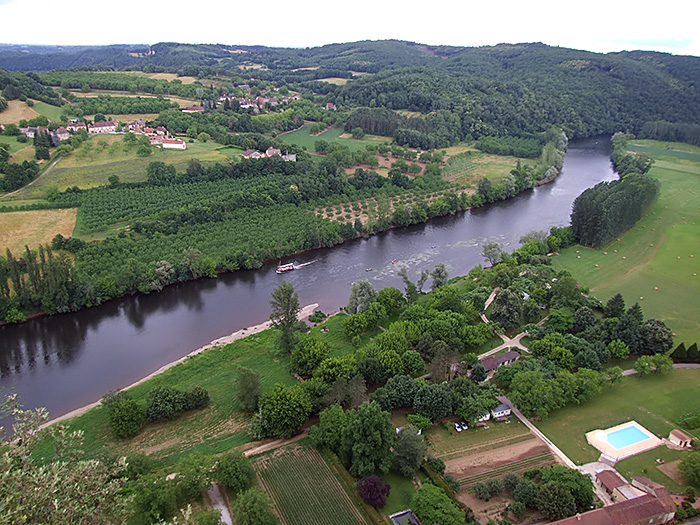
(362, 294)
(368, 438)
(285, 308)
(248, 391)
(439, 275)
(409, 449)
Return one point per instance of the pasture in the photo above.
(303, 488)
(15, 145)
(468, 167)
(102, 156)
(49, 111)
(658, 402)
(334, 80)
(31, 228)
(302, 137)
(657, 261)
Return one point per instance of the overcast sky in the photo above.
(594, 25)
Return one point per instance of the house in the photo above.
(493, 362)
(502, 411)
(405, 517)
(76, 126)
(31, 132)
(680, 439)
(289, 157)
(102, 127)
(330, 106)
(484, 418)
(252, 154)
(62, 133)
(193, 109)
(173, 144)
(610, 481)
(160, 130)
(271, 152)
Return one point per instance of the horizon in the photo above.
(599, 27)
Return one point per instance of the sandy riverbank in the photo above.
(227, 339)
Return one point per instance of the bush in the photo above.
(138, 464)
(197, 398)
(126, 417)
(165, 402)
(453, 483)
(234, 471)
(436, 464)
(481, 491)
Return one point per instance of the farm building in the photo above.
(251, 154)
(76, 126)
(493, 362)
(680, 439)
(271, 152)
(173, 144)
(193, 109)
(289, 157)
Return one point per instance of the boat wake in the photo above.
(297, 266)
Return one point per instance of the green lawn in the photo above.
(15, 146)
(96, 160)
(49, 111)
(645, 464)
(401, 493)
(657, 402)
(657, 261)
(335, 336)
(302, 137)
(212, 430)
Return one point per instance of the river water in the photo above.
(66, 361)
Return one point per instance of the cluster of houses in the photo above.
(159, 137)
(641, 501)
(270, 152)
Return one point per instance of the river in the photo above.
(66, 361)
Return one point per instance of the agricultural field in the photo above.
(303, 488)
(656, 262)
(212, 430)
(97, 159)
(33, 228)
(467, 168)
(181, 101)
(657, 402)
(16, 111)
(302, 137)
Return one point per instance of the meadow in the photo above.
(467, 168)
(656, 263)
(101, 157)
(302, 137)
(658, 402)
(32, 228)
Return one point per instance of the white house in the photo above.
(502, 410)
(173, 144)
(680, 439)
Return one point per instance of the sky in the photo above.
(593, 25)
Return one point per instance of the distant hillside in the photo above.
(508, 89)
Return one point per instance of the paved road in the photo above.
(32, 182)
(219, 503)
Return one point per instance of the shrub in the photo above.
(453, 483)
(481, 491)
(373, 490)
(126, 417)
(137, 464)
(234, 471)
(436, 464)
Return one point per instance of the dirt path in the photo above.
(32, 182)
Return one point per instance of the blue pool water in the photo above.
(627, 436)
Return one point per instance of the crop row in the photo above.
(294, 478)
(518, 467)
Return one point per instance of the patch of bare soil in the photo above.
(671, 470)
(469, 465)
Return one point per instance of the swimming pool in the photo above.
(626, 436)
(622, 441)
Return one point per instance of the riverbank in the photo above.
(304, 314)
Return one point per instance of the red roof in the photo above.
(610, 479)
(682, 436)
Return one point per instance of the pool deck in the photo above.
(598, 439)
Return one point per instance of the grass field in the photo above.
(334, 80)
(302, 137)
(657, 402)
(181, 101)
(656, 262)
(304, 489)
(92, 165)
(215, 429)
(15, 146)
(32, 228)
(467, 168)
(401, 494)
(16, 111)
(49, 111)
